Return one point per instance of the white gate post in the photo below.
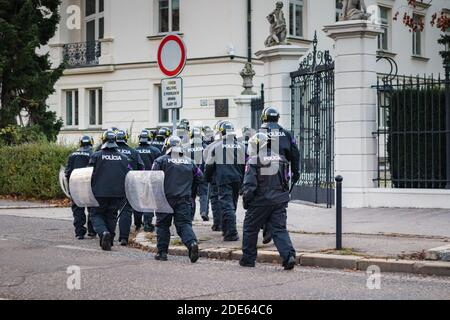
(355, 107)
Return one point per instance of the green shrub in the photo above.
(31, 170)
(416, 143)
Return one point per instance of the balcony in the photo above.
(82, 54)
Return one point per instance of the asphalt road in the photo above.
(36, 253)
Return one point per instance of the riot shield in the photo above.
(80, 188)
(145, 191)
(63, 183)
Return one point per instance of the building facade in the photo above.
(111, 45)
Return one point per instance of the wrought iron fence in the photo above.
(257, 106)
(82, 54)
(412, 132)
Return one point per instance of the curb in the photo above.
(317, 260)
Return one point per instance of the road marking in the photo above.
(78, 248)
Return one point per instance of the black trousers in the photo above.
(79, 221)
(183, 223)
(104, 218)
(215, 206)
(228, 195)
(255, 218)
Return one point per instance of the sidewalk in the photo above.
(399, 234)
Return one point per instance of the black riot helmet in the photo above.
(270, 114)
(86, 141)
(184, 124)
(195, 133)
(109, 140)
(173, 144)
(144, 137)
(153, 134)
(257, 142)
(226, 128)
(164, 133)
(122, 136)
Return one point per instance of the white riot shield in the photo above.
(63, 183)
(145, 191)
(80, 188)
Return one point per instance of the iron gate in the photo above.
(257, 106)
(312, 123)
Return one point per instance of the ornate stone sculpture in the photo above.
(354, 10)
(278, 29)
(247, 75)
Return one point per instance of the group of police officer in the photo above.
(211, 164)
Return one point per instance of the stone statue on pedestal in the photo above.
(354, 10)
(278, 29)
(247, 75)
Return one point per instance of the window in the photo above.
(95, 97)
(417, 38)
(383, 39)
(165, 115)
(169, 15)
(72, 108)
(296, 18)
(94, 20)
(338, 10)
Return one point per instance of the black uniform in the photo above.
(127, 212)
(180, 173)
(158, 143)
(148, 155)
(213, 193)
(225, 166)
(287, 147)
(195, 152)
(266, 197)
(108, 186)
(80, 159)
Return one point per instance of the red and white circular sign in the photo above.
(172, 55)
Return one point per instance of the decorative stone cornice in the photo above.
(352, 28)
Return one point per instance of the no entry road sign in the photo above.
(172, 55)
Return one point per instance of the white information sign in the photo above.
(172, 93)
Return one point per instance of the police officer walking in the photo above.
(127, 212)
(195, 151)
(180, 173)
(148, 154)
(108, 186)
(285, 145)
(266, 197)
(226, 164)
(80, 159)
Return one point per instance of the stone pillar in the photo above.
(279, 62)
(107, 51)
(355, 107)
(243, 110)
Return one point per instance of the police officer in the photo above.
(80, 159)
(148, 154)
(180, 173)
(127, 212)
(227, 162)
(285, 145)
(212, 186)
(161, 138)
(266, 197)
(108, 186)
(208, 135)
(100, 144)
(195, 151)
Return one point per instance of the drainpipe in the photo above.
(249, 30)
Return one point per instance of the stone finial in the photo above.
(247, 75)
(354, 10)
(278, 27)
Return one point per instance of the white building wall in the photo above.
(209, 28)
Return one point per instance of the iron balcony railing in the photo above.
(82, 54)
(412, 132)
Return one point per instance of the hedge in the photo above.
(31, 170)
(416, 143)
